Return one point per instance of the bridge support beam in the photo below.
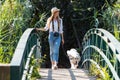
(4, 72)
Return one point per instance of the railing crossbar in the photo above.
(108, 48)
(106, 59)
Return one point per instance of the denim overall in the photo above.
(54, 43)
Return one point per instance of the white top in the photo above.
(55, 26)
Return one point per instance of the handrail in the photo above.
(27, 67)
(106, 45)
(105, 35)
(26, 42)
(114, 41)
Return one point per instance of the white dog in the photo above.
(74, 58)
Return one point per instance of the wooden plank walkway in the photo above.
(65, 74)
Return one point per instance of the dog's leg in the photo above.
(71, 64)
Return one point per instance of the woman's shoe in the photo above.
(55, 67)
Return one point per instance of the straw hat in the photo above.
(54, 9)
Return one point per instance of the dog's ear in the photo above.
(68, 52)
(73, 50)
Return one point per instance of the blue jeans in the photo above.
(54, 43)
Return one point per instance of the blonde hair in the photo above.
(50, 19)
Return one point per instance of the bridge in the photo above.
(100, 53)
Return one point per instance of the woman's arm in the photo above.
(41, 29)
(62, 38)
(61, 30)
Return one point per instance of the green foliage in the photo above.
(95, 56)
(116, 32)
(36, 63)
(15, 17)
(78, 50)
(8, 12)
(95, 72)
(35, 74)
(41, 22)
(105, 71)
(116, 25)
(117, 5)
(110, 21)
(103, 65)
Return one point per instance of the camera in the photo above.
(56, 34)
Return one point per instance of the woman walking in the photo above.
(55, 26)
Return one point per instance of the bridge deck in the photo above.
(65, 74)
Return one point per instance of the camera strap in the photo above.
(53, 26)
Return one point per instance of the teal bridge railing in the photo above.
(99, 47)
(102, 49)
(28, 45)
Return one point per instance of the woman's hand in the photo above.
(41, 29)
(62, 41)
